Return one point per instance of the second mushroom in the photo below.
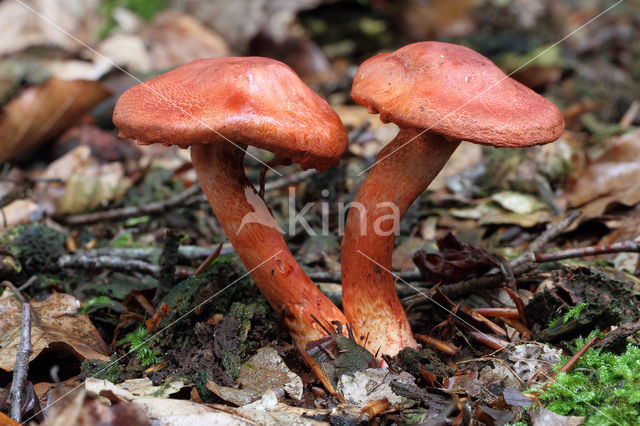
(438, 94)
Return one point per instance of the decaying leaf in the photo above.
(372, 384)
(263, 372)
(337, 355)
(42, 112)
(55, 326)
(455, 261)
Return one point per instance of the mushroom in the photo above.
(218, 107)
(438, 94)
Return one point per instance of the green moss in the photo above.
(573, 313)
(602, 386)
(139, 343)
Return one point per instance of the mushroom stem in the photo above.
(369, 298)
(258, 241)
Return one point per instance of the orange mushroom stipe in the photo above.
(218, 107)
(439, 94)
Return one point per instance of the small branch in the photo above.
(192, 195)
(623, 247)
(127, 212)
(16, 292)
(21, 366)
(108, 262)
(328, 277)
(186, 254)
(288, 180)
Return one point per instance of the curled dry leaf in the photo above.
(43, 112)
(55, 325)
(455, 261)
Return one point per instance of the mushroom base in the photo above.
(258, 241)
(369, 297)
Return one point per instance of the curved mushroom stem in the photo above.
(369, 298)
(258, 241)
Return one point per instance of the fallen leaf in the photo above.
(41, 113)
(518, 202)
(167, 411)
(611, 172)
(55, 325)
(372, 384)
(265, 371)
(89, 188)
(175, 38)
(402, 257)
(124, 50)
(77, 182)
(455, 261)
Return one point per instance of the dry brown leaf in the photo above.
(611, 173)
(55, 325)
(80, 183)
(176, 38)
(43, 112)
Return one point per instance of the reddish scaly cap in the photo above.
(457, 92)
(253, 101)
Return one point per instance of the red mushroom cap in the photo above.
(254, 101)
(457, 92)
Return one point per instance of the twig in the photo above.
(291, 179)
(21, 366)
(10, 286)
(127, 212)
(168, 261)
(630, 115)
(185, 253)
(576, 357)
(192, 195)
(108, 262)
(619, 334)
(204, 265)
(623, 247)
(552, 231)
(329, 277)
